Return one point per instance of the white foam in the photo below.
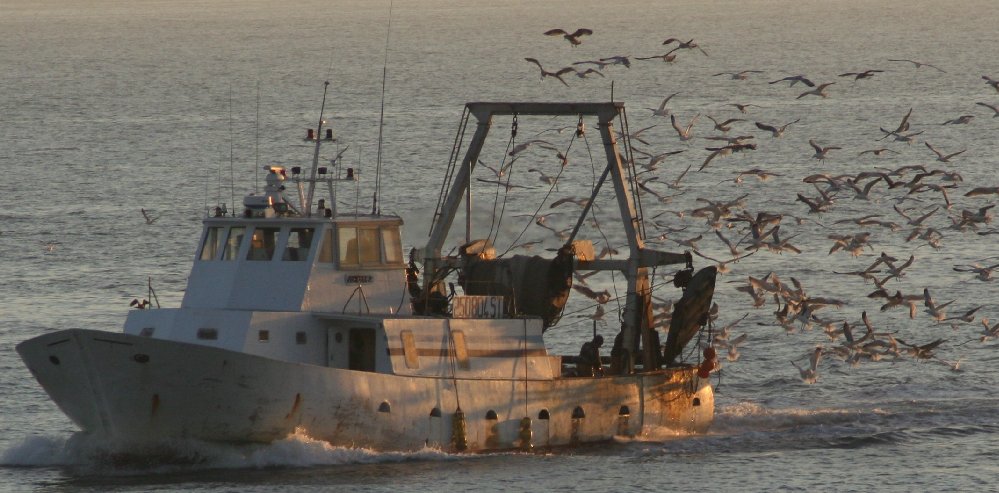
(296, 450)
(751, 416)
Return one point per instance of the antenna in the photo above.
(381, 122)
(232, 174)
(256, 144)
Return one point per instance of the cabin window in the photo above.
(298, 245)
(460, 350)
(369, 246)
(348, 246)
(326, 249)
(409, 349)
(233, 242)
(208, 334)
(264, 335)
(263, 243)
(300, 338)
(359, 247)
(370, 251)
(393, 245)
(213, 243)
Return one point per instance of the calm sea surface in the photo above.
(108, 107)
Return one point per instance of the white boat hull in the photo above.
(138, 388)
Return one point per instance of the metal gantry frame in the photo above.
(640, 258)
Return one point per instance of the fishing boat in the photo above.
(302, 318)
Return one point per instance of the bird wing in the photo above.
(555, 32)
(768, 128)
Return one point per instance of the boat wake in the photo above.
(98, 455)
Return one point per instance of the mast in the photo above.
(307, 206)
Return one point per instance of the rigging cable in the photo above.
(551, 189)
(494, 225)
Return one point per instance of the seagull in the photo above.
(907, 138)
(668, 57)
(547, 179)
(982, 273)
(877, 152)
(571, 37)
(993, 107)
(617, 60)
(662, 111)
(583, 74)
(723, 267)
(149, 219)
(582, 202)
(917, 64)
(989, 332)
(992, 82)
(933, 187)
(636, 135)
(558, 74)
(687, 45)
(508, 186)
(600, 297)
(922, 352)
(979, 191)
(733, 347)
(739, 75)
(932, 308)
(760, 174)
(968, 317)
(961, 120)
(820, 90)
(820, 152)
(684, 133)
(794, 79)
(940, 156)
(775, 132)
(861, 75)
(810, 374)
(902, 127)
(655, 160)
(726, 125)
(544, 144)
(744, 107)
(724, 151)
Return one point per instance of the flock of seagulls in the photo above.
(909, 199)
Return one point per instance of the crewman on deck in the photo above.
(588, 363)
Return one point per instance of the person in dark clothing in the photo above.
(588, 363)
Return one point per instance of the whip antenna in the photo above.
(381, 121)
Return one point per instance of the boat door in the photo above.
(361, 349)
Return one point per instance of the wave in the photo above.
(93, 454)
